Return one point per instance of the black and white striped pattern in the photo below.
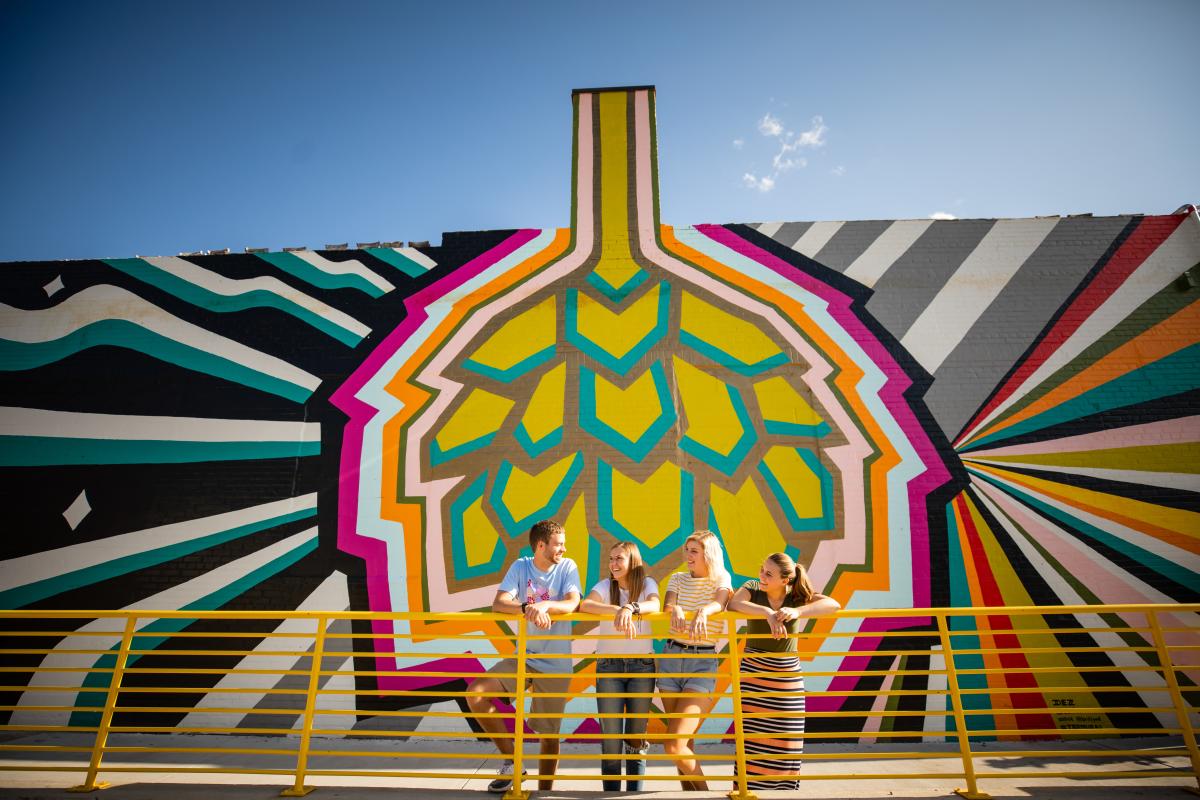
(772, 686)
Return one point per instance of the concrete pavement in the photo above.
(158, 774)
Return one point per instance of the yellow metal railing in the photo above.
(88, 676)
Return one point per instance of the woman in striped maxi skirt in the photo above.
(772, 686)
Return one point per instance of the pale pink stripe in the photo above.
(848, 458)
(1169, 431)
(446, 390)
(1111, 584)
(874, 723)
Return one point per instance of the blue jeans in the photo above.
(631, 727)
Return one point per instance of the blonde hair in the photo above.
(714, 557)
(636, 577)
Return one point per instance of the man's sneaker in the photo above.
(504, 779)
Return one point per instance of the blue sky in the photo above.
(159, 127)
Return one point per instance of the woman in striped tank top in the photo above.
(692, 597)
(772, 685)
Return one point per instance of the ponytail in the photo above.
(801, 590)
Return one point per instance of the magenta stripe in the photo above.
(840, 307)
(892, 393)
(372, 551)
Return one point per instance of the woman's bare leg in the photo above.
(682, 729)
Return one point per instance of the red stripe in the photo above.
(1150, 233)
(1015, 665)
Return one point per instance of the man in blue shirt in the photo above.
(537, 587)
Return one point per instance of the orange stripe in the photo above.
(1169, 336)
(846, 380)
(414, 398)
(1099, 504)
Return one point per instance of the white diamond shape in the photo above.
(77, 510)
(52, 288)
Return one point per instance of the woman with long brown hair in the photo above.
(624, 666)
(772, 685)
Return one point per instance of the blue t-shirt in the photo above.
(528, 584)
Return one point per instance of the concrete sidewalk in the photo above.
(40, 775)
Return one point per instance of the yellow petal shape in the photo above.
(649, 509)
(749, 531)
(482, 413)
(522, 337)
(544, 414)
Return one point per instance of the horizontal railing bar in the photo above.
(475, 616)
(44, 748)
(249, 751)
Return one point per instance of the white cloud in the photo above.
(814, 136)
(838, 171)
(783, 164)
(763, 184)
(785, 159)
(770, 126)
(942, 215)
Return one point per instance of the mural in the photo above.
(974, 412)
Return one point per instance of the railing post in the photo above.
(1168, 668)
(739, 732)
(110, 703)
(298, 789)
(960, 719)
(516, 790)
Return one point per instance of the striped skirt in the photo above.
(775, 740)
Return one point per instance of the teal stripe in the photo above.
(727, 463)
(1177, 373)
(438, 456)
(22, 596)
(719, 356)
(1151, 561)
(623, 364)
(617, 293)
(651, 554)
(141, 641)
(219, 303)
(398, 260)
(299, 268)
(960, 597)
(42, 451)
(778, 428)
(458, 537)
(16, 356)
(593, 425)
(517, 527)
(516, 370)
(819, 523)
(535, 449)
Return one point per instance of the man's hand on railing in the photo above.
(538, 615)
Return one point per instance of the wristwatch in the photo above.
(524, 605)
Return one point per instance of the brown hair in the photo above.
(542, 531)
(801, 590)
(636, 576)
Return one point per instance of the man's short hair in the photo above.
(542, 531)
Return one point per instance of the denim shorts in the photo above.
(690, 660)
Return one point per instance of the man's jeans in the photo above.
(630, 727)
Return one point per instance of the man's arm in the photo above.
(505, 603)
(567, 605)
